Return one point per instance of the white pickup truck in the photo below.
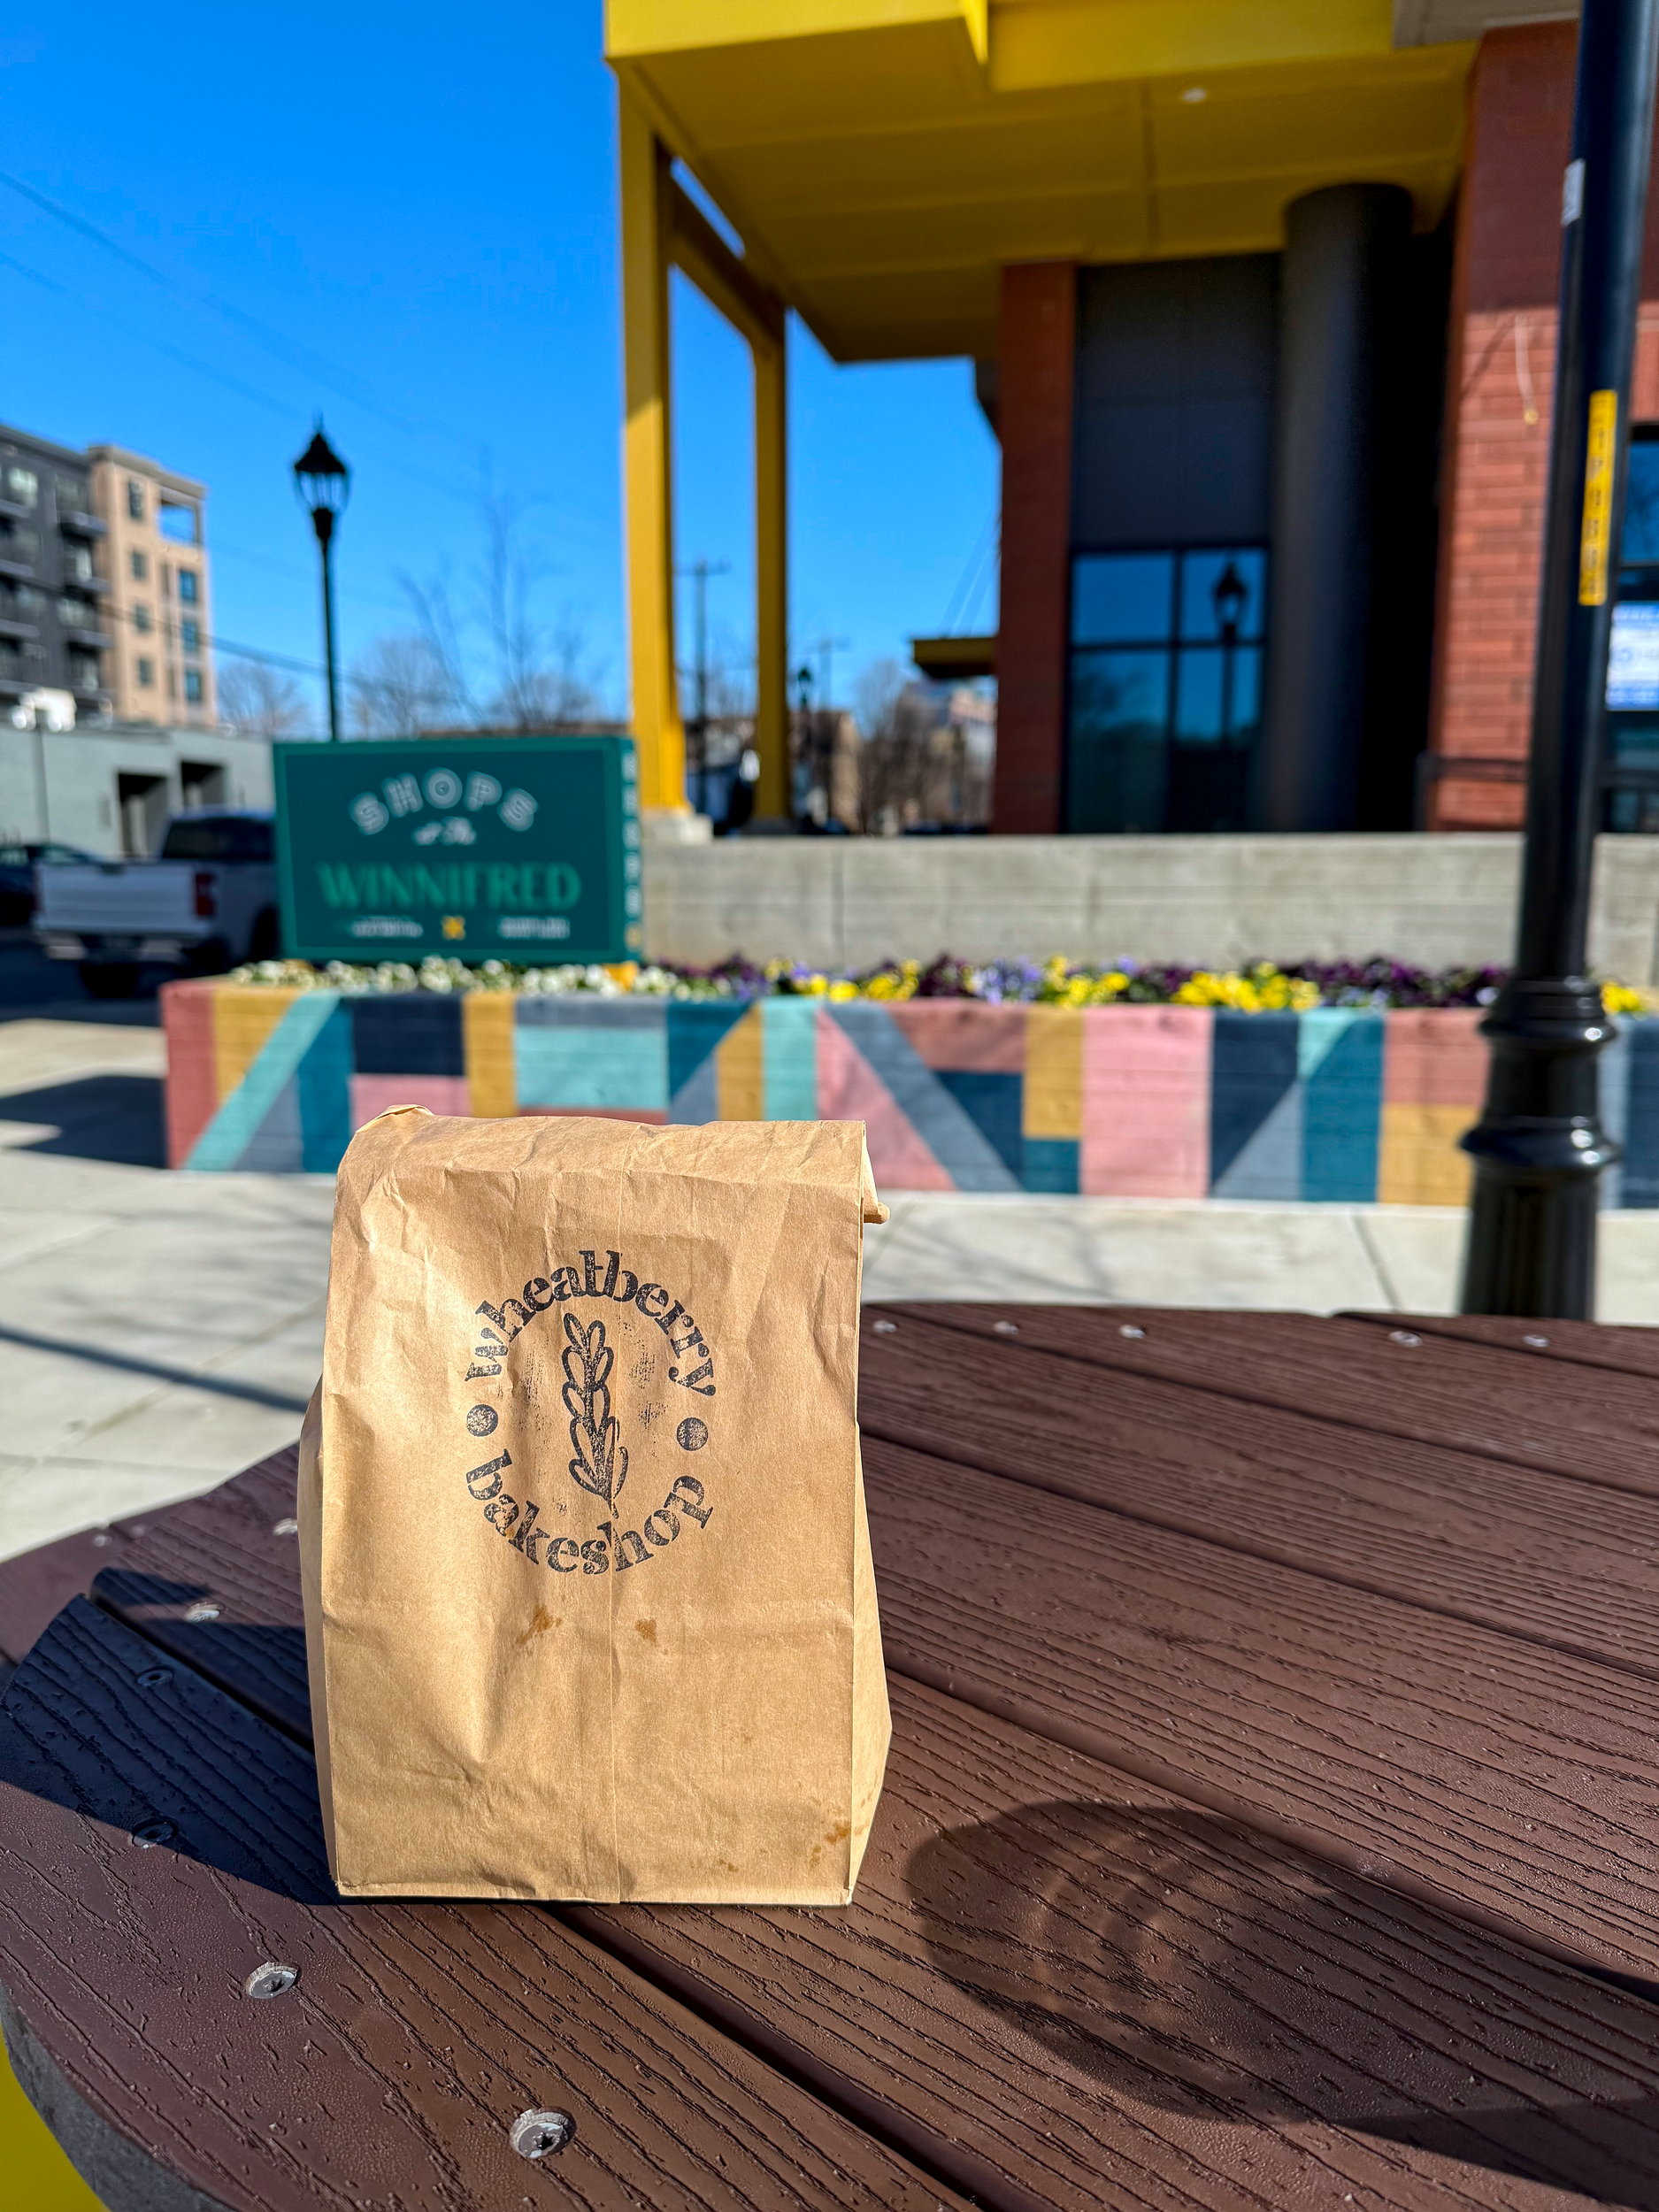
(207, 900)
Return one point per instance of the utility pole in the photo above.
(826, 648)
(1539, 1147)
(700, 571)
(822, 729)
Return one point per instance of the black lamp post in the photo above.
(325, 485)
(1539, 1147)
(1228, 594)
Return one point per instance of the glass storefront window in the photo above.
(1166, 680)
(1120, 598)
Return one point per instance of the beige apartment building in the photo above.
(157, 667)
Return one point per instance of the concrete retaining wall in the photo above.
(1439, 901)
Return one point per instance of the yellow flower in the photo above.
(1623, 998)
(843, 989)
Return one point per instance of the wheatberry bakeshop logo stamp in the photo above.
(664, 1345)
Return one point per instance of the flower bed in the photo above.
(1116, 1096)
(1262, 988)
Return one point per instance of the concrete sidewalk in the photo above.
(158, 1330)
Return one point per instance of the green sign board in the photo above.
(523, 848)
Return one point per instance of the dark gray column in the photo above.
(1339, 292)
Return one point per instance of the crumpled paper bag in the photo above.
(589, 1606)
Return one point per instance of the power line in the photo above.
(256, 653)
(302, 358)
(299, 575)
(282, 407)
(272, 341)
(174, 353)
(216, 644)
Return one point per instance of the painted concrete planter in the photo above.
(1143, 1102)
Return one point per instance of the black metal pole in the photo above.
(1539, 1147)
(324, 522)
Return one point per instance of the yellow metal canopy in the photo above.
(883, 158)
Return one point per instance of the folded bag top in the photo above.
(589, 1607)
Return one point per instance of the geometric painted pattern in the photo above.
(1150, 1101)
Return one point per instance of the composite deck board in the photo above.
(1514, 1549)
(1060, 1987)
(1599, 1344)
(1413, 1744)
(1502, 1779)
(418, 2032)
(1558, 1417)
(235, 1551)
(1089, 1993)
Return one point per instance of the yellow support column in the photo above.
(773, 795)
(657, 729)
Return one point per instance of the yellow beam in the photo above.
(657, 27)
(723, 278)
(954, 659)
(658, 732)
(757, 314)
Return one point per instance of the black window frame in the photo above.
(1235, 749)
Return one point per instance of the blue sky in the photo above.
(405, 218)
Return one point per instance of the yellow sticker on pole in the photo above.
(1594, 541)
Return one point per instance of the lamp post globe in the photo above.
(324, 484)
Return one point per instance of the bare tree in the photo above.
(895, 752)
(439, 631)
(927, 753)
(876, 692)
(507, 580)
(258, 702)
(398, 685)
(539, 676)
(553, 691)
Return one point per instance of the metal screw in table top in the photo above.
(1006, 1328)
(285, 1528)
(1536, 1343)
(884, 1328)
(153, 1677)
(271, 1980)
(1128, 1328)
(152, 1833)
(539, 2134)
(1403, 1336)
(201, 1612)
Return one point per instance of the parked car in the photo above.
(17, 864)
(207, 900)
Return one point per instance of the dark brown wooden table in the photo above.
(1272, 1820)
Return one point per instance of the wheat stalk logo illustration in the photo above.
(600, 1464)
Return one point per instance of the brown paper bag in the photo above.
(589, 1600)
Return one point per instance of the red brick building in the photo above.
(1262, 305)
(1498, 387)
(1465, 732)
